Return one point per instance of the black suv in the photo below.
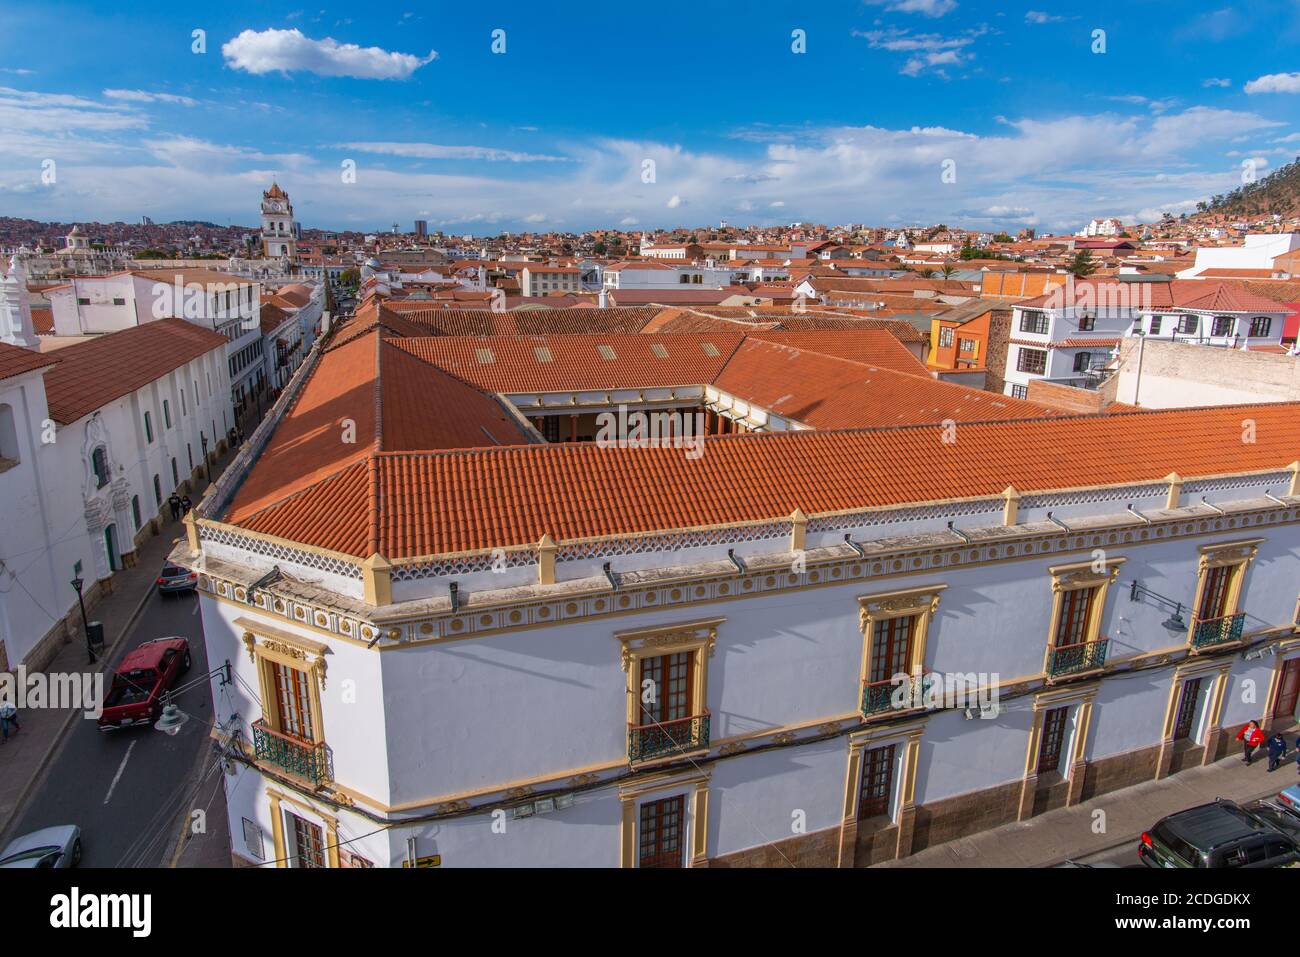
(1221, 834)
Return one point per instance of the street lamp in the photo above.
(77, 584)
(207, 466)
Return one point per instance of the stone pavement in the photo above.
(1067, 833)
(26, 754)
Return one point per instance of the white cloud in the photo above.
(1275, 83)
(441, 152)
(287, 51)
(146, 96)
(535, 218)
(927, 8)
(1221, 81)
(1044, 172)
(1039, 17)
(929, 50)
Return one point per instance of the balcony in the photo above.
(1212, 632)
(312, 762)
(667, 738)
(890, 695)
(1069, 660)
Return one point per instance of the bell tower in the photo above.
(278, 236)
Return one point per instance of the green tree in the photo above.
(350, 277)
(599, 249)
(1082, 266)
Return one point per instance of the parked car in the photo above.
(140, 681)
(173, 578)
(1221, 834)
(49, 847)
(1275, 816)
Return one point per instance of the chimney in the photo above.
(604, 298)
(16, 327)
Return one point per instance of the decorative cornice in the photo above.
(350, 624)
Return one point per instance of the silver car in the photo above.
(49, 847)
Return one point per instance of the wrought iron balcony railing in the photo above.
(890, 694)
(1078, 658)
(313, 762)
(665, 738)
(1208, 632)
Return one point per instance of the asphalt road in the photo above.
(125, 789)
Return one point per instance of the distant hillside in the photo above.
(1278, 192)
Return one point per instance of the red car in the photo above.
(140, 681)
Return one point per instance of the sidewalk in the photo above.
(27, 753)
(1053, 837)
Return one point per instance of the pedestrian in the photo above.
(174, 501)
(230, 437)
(240, 435)
(1251, 737)
(186, 505)
(1276, 750)
(8, 716)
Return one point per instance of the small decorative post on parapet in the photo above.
(377, 578)
(546, 549)
(798, 530)
(1011, 510)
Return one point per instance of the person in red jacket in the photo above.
(1251, 737)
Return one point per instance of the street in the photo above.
(125, 789)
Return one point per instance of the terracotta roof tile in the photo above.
(15, 360)
(830, 393)
(578, 362)
(440, 503)
(90, 374)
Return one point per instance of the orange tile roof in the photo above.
(811, 318)
(309, 444)
(829, 393)
(870, 346)
(15, 360)
(383, 399)
(576, 362)
(92, 373)
(442, 503)
(43, 320)
(271, 317)
(545, 321)
(1018, 285)
(1198, 294)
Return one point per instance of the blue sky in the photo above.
(1039, 126)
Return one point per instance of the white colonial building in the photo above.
(461, 640)
(94, 436)
(1070, 335)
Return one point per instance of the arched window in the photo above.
(157, 491)
(135, 511)
(9, 456)
(99, 462)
